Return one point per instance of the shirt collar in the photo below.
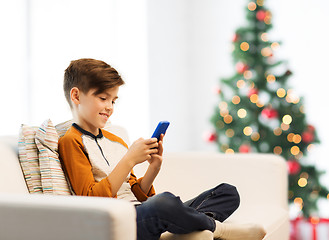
(100, 135)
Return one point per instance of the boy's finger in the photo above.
(154, 145)
(153, 151)
(151, 140)
(161, 137)
(160, 148)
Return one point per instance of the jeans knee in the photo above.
(233, 194)
(166, 202)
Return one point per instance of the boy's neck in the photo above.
(80, 129)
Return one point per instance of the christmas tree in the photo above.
(259, 112)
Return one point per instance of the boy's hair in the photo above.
(87, 74)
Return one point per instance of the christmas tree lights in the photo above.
(259, 112)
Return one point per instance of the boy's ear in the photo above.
(75, 95)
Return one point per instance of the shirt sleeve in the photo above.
(137, 190)
(78, 169)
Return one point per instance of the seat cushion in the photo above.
(273, 218)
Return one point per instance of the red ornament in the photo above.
(235, 38)
(308, 137)
(244, 148)
(252, 91)
(241, 67)
(293, 167)
(261, 15)
(217, 90)
(269, 113)
(211, 137)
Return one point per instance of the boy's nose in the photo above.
(109, 106)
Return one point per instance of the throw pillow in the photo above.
(52, 176)
(61, 128)
(28, 158)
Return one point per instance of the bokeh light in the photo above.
(275, 46)
(229, 151)
(236, 99)
(228, 119)
(277, 131)
(229, 132)
(240, 83)
(252, 6)
(287, 119)
(254, 98)
(270, 78)
(244, 46)
(281, 92)
(277, 150)
(255, 136)
(294, 150)
(242, 113)
(247, 131)
(302, 182)
(264, 37)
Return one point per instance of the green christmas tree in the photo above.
(259, 112)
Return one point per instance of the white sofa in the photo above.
(261, 180)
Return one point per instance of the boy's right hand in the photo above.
(141, 150)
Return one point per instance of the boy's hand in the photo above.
(156, 158)
(155, 164)
(142, 150)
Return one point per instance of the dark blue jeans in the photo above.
(166, 212)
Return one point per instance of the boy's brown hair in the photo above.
(87, 74)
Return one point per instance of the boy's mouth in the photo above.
(105, 115)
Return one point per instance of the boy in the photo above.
(99, 163)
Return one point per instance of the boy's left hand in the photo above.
(156, 158)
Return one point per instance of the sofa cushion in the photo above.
(11, 175)
(52, 176)
(28, 158)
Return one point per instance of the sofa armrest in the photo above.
(51, 217)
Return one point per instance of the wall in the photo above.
(190, 50)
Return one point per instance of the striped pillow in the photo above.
(28, 158)
(61, 128)
(52, 176)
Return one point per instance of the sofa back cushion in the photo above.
(11, 176)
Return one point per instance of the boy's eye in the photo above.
(102, 98)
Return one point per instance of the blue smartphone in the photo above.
(160, 129)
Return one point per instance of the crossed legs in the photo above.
(166, 212)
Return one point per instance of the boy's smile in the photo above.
(92, 111)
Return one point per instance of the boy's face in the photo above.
(93, 111)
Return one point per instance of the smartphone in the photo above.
(160, 129)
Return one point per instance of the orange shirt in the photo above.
(88, 159)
